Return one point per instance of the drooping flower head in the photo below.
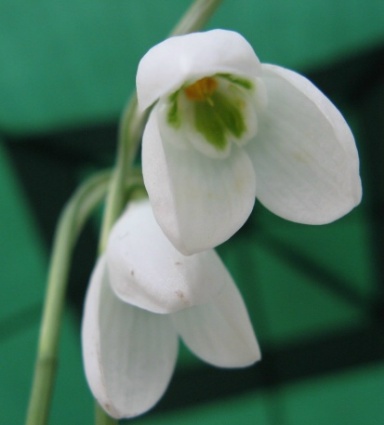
(225, 128)
(129, 349)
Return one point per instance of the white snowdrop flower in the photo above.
(226, 129)
(129, 349)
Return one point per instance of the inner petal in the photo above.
(215, 111)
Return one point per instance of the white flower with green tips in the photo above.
(225, 129)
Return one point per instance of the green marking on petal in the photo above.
(173, 115)
(242, 82)
(209, 124)
(217, 116)
(229, 113)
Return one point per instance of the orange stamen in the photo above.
(201, 89)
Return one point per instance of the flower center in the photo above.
(201, 89)
(216, 110)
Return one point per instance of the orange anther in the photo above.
(201, 89)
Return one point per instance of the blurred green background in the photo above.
(315, 294)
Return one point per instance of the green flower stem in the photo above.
(101, 418)
(70, 224)
(196, 16)
(130, 132)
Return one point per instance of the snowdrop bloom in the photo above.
(130, 350)
(225, 128)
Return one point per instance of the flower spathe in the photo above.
(129, 352)
(226, 129)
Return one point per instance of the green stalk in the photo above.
(70, 224)
(101, 418)
(130, 132)
(196, 17)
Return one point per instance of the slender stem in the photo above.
(101, 418)
(196, 16)
(130, 131)
(71, 222)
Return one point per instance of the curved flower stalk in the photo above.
(226, 129)
(130, 352)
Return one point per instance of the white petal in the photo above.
(199, 202)
(220, 331)
(170, 64)
(304, 154)
(146, 270)
(129, 354)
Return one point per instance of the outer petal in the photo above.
(199, 202)
(220, 331)
(147, 271)
(129, 354)
(170, 64)
(304, 154)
